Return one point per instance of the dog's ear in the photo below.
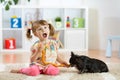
(72, 54)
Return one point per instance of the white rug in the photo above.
(65, 74)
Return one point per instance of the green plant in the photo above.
(58, 19)
(8, 3)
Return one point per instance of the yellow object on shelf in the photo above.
(14, 16)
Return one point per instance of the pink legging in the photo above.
(35, 70)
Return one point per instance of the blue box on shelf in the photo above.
(15, 22)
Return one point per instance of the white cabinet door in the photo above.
(75, 39)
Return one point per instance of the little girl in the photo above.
(44, 56)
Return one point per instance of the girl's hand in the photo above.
(65, 64)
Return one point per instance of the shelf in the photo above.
(16, 34)
(76, 28)
(59, 29)
(12, 29)
(14, 50)
(72, 38)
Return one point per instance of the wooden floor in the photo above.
(101, 55)
(23, 57)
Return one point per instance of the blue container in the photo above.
(15, 22)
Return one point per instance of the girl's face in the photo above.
(42, 32)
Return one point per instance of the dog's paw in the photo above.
(79, 72)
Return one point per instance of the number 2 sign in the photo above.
(15, 22)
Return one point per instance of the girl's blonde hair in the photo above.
(37, 24)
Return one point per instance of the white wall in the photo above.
(104, 18)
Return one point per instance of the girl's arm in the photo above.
(36, 50)
(60, 60)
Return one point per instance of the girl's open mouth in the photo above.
(44, 35)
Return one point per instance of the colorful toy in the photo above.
(68, 22)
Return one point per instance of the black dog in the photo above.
(87, 65)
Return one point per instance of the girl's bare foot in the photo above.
(15, 71)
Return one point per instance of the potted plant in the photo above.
(58, 22)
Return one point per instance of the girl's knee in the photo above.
(51, 70)
(31, 71)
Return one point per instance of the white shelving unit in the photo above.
(72, 38)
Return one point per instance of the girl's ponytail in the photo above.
(28, 34)
(52, 29)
